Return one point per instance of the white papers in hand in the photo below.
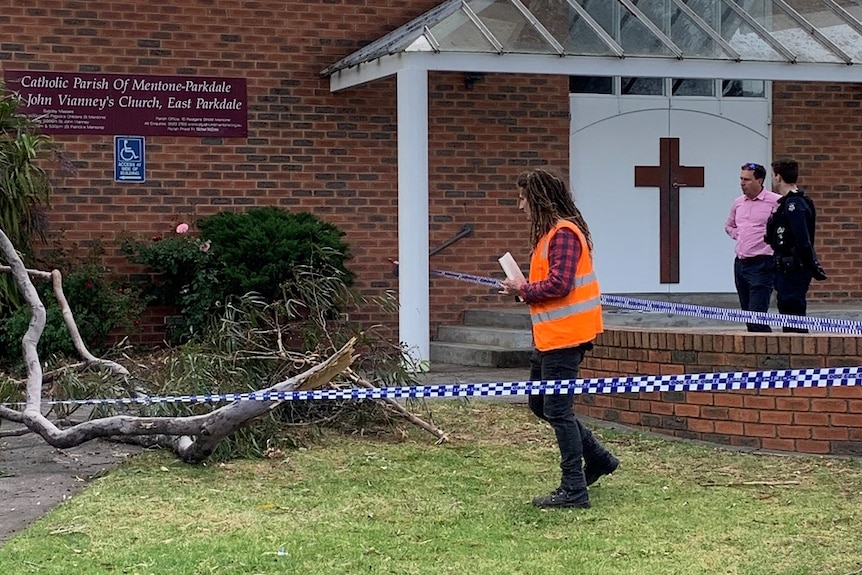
(511, 268)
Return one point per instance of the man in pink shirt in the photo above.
(753, 268)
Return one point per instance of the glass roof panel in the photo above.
(806, 31)
(750, 43)
(854, 7)
(786, 30)
(570, 29)
(459, 34)
(622, 25)
(690, 35)
(510, 27)
(843, 33)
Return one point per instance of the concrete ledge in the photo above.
(478, 355)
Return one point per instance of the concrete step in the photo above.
(481, 335)
(517, 317)
(501, 337)
(478, 355)
(618, 317)
(716, 299)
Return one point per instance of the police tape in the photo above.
(730, 381)
(834, 325)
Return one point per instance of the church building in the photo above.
(406, 123)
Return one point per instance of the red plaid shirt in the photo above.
(564, 251)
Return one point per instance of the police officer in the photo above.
(790, 231)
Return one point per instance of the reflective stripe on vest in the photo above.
(562, 312)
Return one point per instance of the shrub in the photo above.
(24, 189)
(257, 252)
(261, 248)
(186, 275)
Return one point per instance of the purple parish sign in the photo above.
(84, 103)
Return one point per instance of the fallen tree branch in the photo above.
(11, 414)
(402, 411)
(57, 284)
(193, 438)
(15, 432)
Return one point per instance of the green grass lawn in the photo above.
(371, 504)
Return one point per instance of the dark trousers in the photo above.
(754, 279)
(791, 287)
(576, 442)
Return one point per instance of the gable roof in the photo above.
(757, 35)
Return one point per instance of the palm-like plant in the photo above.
(24, 187)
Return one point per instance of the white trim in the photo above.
(593, 66)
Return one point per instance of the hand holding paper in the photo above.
(515, 280)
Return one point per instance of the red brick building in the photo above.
(336, 153)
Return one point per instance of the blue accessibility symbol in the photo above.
(129, 165)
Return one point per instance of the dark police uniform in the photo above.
(790, 232)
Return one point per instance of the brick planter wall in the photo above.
(823, 420)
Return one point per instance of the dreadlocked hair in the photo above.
(550, 201)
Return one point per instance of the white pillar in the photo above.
(414, 317)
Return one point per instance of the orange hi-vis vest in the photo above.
(575, 318)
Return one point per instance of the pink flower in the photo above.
(88, 285)
(205, 247)
(182, 228)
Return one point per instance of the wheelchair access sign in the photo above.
(129, 163)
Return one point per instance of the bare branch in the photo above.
(402, 411)
(193, 438)
(35, 273)
(15, 432)
(57, 283)
(36, 327)
(11, 414)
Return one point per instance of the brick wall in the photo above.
(480, 139)
(307, 149)
(810, 420)
(820, 125)
(335, 154)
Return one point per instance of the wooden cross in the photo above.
(669, 177)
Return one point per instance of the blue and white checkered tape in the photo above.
(745, 380)
(716, 313)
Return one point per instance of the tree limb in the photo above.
(15, 432)
(402, 411)
(57, 284)
(11, 414)
(193, 438)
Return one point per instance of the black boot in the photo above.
(595, 469)
(562, 498)
(572, 492)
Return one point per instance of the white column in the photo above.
(414, 316)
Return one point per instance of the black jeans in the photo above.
(791, 287)
(754, 279)
(575, 441)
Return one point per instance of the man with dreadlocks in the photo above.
(565, 308)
